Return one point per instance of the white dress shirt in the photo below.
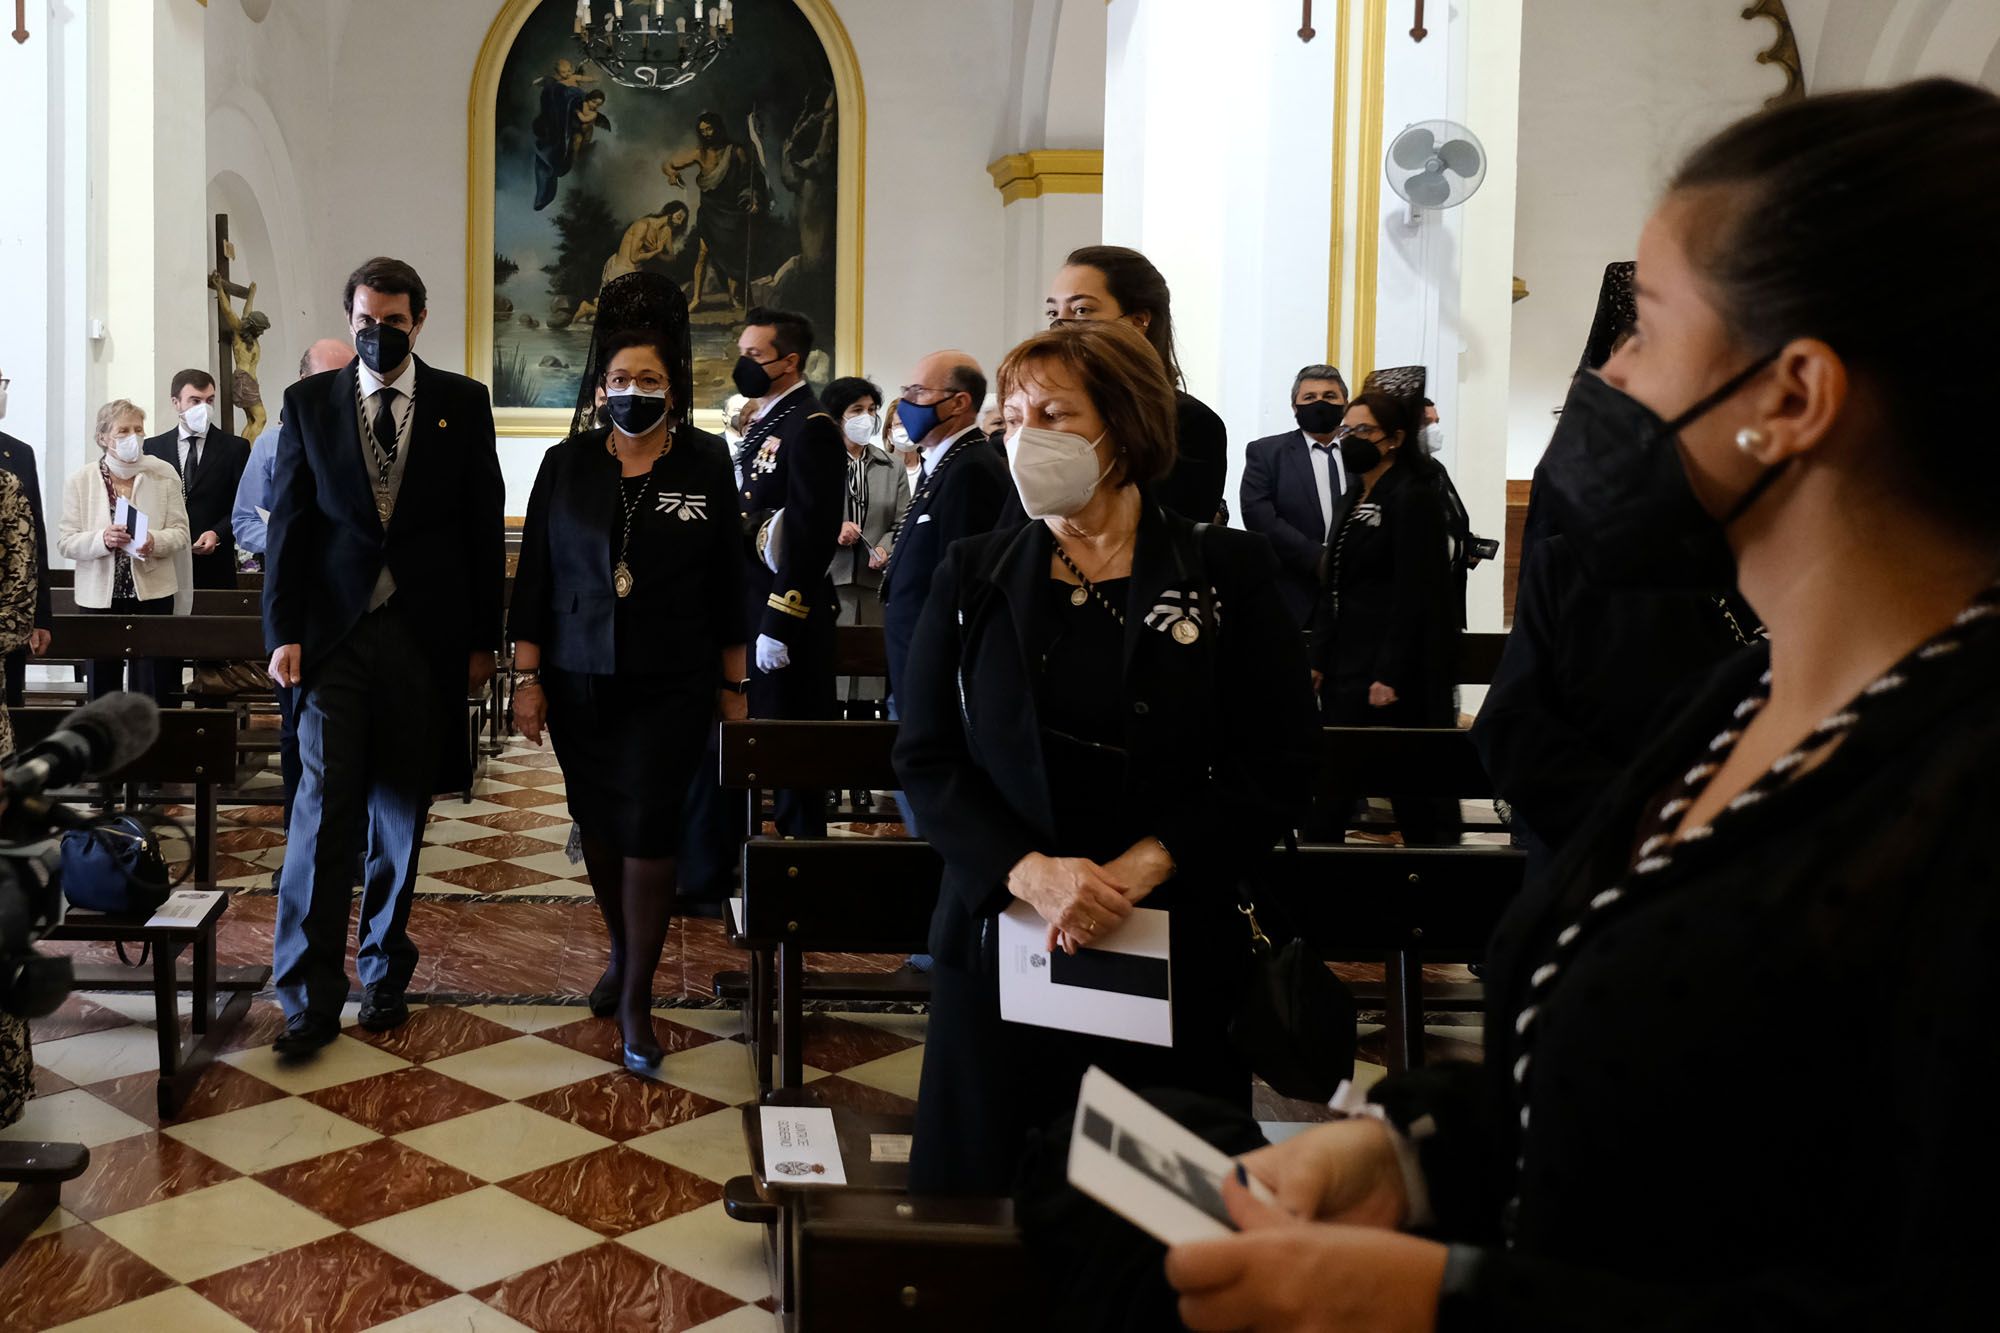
(933, 454)
(191, 449)
(1327, 476)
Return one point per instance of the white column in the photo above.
(1218, 137)
(151, 198)
(44, 100)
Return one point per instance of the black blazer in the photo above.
(1396, 622)
(212, 496)
(1221, 733)
(19, 459)
(1583, 683)
(1281, 500)
(1833, 1178)
(800, 466)
(687, 599)
(962, 499)
(1201, 463)
(445, 545)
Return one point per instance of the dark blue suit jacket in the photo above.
(962, 499)
(19, 459)
(445, 544)
(1281, 501)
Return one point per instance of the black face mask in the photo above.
(752, 380)
(1616, 488)
(635, 413)
(382, 347)
(1358, 455)
(1319, 417)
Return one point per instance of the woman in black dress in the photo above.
(1738, 1067)
(1108, 709)
(1387, 624)
(628, 627)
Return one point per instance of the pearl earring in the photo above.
(1749, 439)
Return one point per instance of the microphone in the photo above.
(101, 737)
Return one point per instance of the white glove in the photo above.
(772, 655)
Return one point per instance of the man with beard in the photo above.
(733, 195)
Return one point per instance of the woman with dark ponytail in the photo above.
(1736, 1070)
(1112, 282)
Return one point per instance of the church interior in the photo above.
(903, 211)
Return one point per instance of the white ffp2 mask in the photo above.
(128, 448)
(196, 419)
(860, 429)
(1055, 472)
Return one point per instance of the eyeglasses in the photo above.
(1362, 432)
(645, 383)
(912, 390)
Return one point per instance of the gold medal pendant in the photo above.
(621, 579)
(1078, 596)
(1186, 631)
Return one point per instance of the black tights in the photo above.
(636, 896)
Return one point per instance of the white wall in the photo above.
(1853, 43)
(1612, 93)
(1217, 140)
(347, 122)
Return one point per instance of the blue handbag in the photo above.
(114, 867)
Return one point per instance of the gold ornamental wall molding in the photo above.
(1782, 52)
(1041, 171)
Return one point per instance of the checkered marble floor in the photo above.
(488, 1166)
(484, 1167)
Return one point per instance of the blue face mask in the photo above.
(920, 419)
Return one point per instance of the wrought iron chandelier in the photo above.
(655, 44)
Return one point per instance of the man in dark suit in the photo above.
(384, 569)
(210, 462)
(19, 458)
(1294, 490)
(959, 493)
(791, 472)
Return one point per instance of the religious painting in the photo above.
(729, 183)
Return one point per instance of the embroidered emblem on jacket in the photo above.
(691, 508)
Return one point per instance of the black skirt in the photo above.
(629, 745)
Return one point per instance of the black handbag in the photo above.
(1294, 1024)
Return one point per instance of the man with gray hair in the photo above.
(1294, 488)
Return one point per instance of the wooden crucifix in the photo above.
(1417, 30)
(236, 337)
(1306, 32)
(21, 20)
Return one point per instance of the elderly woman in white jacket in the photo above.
(119, 570)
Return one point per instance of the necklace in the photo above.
(1659, 851)
(1088, 591)
(621, 573)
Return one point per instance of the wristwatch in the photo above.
(525, 676)
(736, 686)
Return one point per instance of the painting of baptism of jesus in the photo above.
(727, 184)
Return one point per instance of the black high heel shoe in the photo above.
(604, 995)
(646, 1062)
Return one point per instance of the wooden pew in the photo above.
(207, 602)
(797, 894)
(195, 747)
(227, 637)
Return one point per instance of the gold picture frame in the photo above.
(553, 423)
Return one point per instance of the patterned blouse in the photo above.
(121, 562)
(17, 621)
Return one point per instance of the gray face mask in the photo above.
(1431, 438)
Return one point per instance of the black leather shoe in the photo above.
(383, 1009)
(305, 1034)
(646, 1062)
(604, 995)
